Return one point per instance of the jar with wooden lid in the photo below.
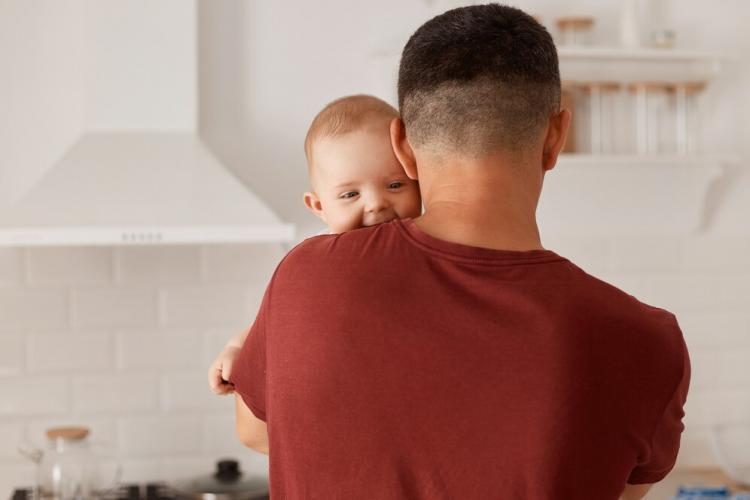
(70, 468)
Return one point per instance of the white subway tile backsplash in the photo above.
(711, 331)
(159, 350)
(241, 263)
(33, 308)
(719, 370)
(190, 391)
(160, 435)
(204, 305)
(252, 302)
(11, 434)
(721, 254)
(69, 265)
(33, 396)
(102, 307)
(115, 393)
(220, 434)
(77, 353)
(645, 254)
(11, 266)
(696, 449)
(12, 355)
(735, 293)
(157, 265)
(706, 408)
(680, 292)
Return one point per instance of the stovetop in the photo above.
(130, 491)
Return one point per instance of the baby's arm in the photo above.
(221, 368)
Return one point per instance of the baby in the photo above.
(356, 180)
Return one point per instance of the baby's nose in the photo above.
(376, 204)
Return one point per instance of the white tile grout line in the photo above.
(117, 267)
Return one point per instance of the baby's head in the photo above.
(355, 177)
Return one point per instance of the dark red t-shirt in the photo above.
(392, 365)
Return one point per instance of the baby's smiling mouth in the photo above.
(380, 219)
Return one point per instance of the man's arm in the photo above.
(252, 431)
(635, 491)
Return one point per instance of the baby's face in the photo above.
(359, 182)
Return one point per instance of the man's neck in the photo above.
(489, 206)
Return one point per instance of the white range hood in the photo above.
(124, 188)
(131, 88)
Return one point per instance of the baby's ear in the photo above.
(312, 202)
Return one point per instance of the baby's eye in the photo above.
(349, 194)
(395, 185)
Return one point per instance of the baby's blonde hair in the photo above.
(345, 115)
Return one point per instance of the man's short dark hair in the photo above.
(478, 79)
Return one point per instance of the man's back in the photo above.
(389, 365)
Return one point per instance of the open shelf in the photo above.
(620, 64)
(639, 54)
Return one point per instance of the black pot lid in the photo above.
(228, 479)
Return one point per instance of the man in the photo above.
(452, 356)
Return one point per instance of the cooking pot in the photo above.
(226, 483)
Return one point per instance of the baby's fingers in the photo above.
(226, 370)
(214, 377)
(220, 386)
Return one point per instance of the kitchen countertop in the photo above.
(667, 487)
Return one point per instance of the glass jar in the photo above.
(601, 111)
(69, 469)
(686, 115)
(653, 117)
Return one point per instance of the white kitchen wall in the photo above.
(42, 84)
(120, 338)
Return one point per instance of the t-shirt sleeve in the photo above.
(665, 442)
(249, 369)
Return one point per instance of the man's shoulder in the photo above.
(327, 251)
(615, 304)
(339, 244)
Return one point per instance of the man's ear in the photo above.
(402, 149)
(312, 202)
(557, 133)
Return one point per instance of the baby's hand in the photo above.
(221, 369)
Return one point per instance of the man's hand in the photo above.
(221, 369)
